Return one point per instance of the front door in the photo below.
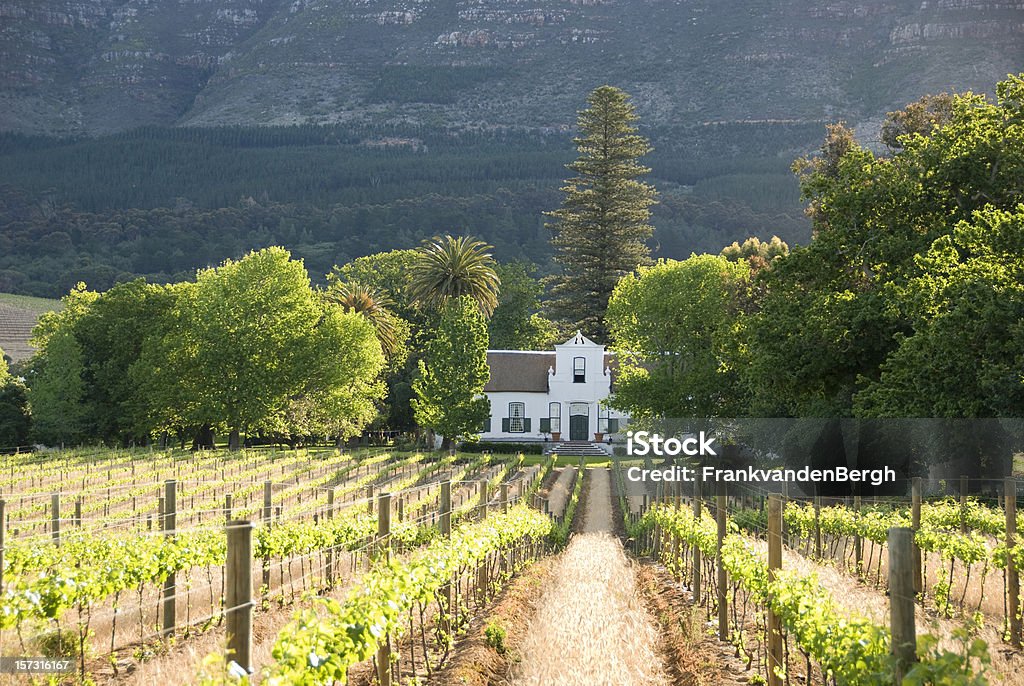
(579, 422)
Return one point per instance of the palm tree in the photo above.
(375, 306)
(448, 268)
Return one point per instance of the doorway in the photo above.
(579, 422)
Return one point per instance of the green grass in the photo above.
(564, 461)
(28, 302)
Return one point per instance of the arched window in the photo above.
(555, 417)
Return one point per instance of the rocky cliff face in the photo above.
(72, 66)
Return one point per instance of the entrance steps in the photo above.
(578, 449)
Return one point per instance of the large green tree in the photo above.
(516, 323)
(56, 373)
(15, 421)
(965, 354)
(835, 310)
(112, 333)
(675, 327)
(341, 385)
(248, 340)
(453, 372)
(15, 418)
(600, 232)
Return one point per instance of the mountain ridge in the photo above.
(99, 66)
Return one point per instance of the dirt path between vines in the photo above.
(591, 627)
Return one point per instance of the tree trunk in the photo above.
(446, 443)
(234, 441)
(204, 438)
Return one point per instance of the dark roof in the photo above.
(519, 370)
(527, 371)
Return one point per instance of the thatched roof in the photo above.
(519, 370)
(526, 371)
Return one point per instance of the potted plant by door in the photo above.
(598, 436)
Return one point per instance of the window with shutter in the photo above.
(545, 425)
(613, 426)
(555, 417)
(487, 426)
(526, 424)
(517, 421)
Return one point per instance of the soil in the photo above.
(591, 626)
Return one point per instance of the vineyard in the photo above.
(317, 566)
(820, 593)
(131, 564)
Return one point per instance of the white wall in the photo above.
(536, 409)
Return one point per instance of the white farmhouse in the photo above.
(552, 396)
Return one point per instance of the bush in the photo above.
(503, 448)
(495, 637)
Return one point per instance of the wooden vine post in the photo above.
(915, 519)
(1012, 573)
(785, 501)
(696, 548)
(901, 599)
(55, 518)
(266, 516)
(817, 524)
(238, 594)
(858, 542)
(503, 499)
(776, 659)
(483, 499)
(3, 537)
(723, 598)
(383, 550)
(963, 504)
(444, 521)
(676, 540)
(481, 570)
(170, 523)
(330, 550)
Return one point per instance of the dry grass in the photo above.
(558, 495)
(591, 627)
(476, 662)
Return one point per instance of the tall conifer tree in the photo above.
(601, 230)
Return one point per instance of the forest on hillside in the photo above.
(162, 202)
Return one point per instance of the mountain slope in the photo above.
(74, 66)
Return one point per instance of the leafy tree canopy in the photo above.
(516, 323)
(675, 327)
(966, 352)
(453, 372)
(448, 268)
(834, 310)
